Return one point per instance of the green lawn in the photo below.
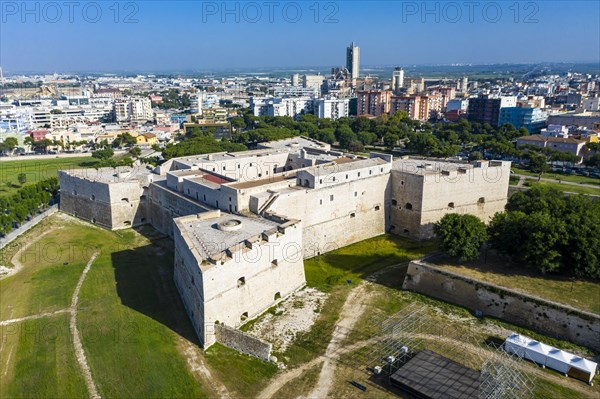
(50, 263)
(38, 360)
(130, 317)
(560, 176)
(361, 259)
(238, 372)
(36, 170)
(569, 188)
(513, 180)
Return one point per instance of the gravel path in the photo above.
(79, 353)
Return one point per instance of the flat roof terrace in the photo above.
(262, 182)
(111, 175)
(213, 235)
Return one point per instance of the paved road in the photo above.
(558, 181)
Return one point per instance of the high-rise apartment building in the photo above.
(397, 80)
(353, 62)
(486, 109)
(374, 102)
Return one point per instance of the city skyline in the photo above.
(194, 36)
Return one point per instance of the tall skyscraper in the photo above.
(353, 61)
(465, 84)
(397, 80)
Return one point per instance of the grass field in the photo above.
(36, 170)
(568, 188)
(249, 375)
(130, 317)
(38, 360)
(361, 259)
(560, 176)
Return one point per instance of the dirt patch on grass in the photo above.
(296, 314)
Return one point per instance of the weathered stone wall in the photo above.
(546, 317)
(272, 267)
(420, 200)
(112, 205)
(164, 205)
(337, 215)
(245, 166)
(242, 342)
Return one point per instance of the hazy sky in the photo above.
(187, 35)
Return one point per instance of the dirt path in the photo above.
(351, 311)
(33, 317)
(79, 353)
(17, 265)
(198, 367)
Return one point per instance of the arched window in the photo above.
(450, 204)
(408, 206)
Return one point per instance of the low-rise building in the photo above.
(570, 145)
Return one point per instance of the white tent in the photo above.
(527, 348)
(586, 366)
(558, 360)
(545, 355)
(537, 352)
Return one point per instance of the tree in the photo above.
(22, 177)
(29, 141)
(10, 143)
(550, 231)
(136, 151)
(103, 154)
(390, 140)
(461, 235)
(156, 147)
(475, 156)
(538, 163)
(346, 137)
(593, 161)
(356, 146)
(238, 123)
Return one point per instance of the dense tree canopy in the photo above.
(200, 145)
(550, 231)
(15, 209)
(461, 235)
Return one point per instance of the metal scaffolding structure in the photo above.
(400, 337)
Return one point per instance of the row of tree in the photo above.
(26, 202)
(542, 228)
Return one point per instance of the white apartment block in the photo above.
(137, 109)
(332, 108)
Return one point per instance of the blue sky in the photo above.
(187, 35)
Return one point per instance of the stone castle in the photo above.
(243, 222)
